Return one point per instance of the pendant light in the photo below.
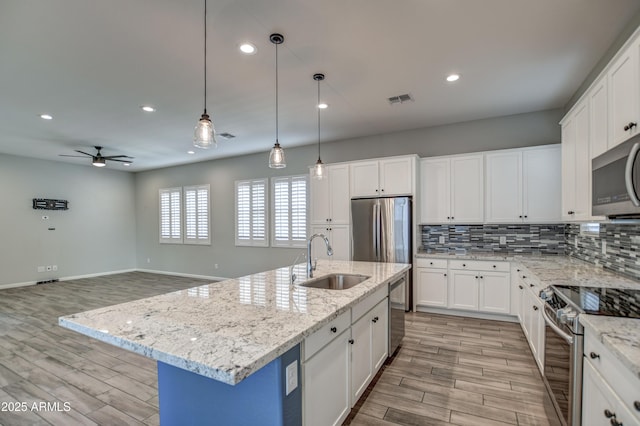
(276, 156)
(204, 134)
(319, 170)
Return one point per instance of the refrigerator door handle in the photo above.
(376, 230)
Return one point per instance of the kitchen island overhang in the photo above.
(227, 331)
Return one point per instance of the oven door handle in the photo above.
(628, 174)
(567, 338)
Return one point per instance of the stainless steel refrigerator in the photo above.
(382, 232)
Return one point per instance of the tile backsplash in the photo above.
(524, 238)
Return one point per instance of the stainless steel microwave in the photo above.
(616, 181)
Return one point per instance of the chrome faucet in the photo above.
(293, 265)
(312, 267)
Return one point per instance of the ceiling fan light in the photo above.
(99, 162)
(276, 157)
(319, 170)
(204, 134)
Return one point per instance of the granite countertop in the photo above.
(230, 329)
(620, 335)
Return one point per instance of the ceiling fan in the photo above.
(100, 160)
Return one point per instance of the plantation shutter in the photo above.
(251, 213)
(196, 211)
(170, 212)
(289, 211)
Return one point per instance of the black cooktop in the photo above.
(616, 302)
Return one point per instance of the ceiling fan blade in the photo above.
(121, 161)
(76, 156)
(85, 153)
(110, 157)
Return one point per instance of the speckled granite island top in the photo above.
(230, 329)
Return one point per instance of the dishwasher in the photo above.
(397, 291)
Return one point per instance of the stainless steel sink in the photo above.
(335, 281)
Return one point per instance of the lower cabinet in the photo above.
(463, 291)
(480, 286)
(432, 283)
(532, 322)
(340, 360)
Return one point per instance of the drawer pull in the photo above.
(530, 285)
(608, 414)
(375, 319)
(594, 355)
(464, 265)
(494, 266)
(476, 277)
(521, 288)
(630, 126)
(445, 275)
(615, 422)
(481, 277)
(430, 263)
(636, 405)
(351, 341)
(535, 308)
(334, 329)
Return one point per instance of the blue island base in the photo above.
(188, 398)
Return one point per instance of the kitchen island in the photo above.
(223, 348)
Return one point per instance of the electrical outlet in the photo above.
(41, 268)
(215, 266)
(503, 240)
(45, 217)
(48, 268)
(441, 239)
(292, 377)
(148, 260)
(54, 268)
(604, 247)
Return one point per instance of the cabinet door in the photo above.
(600, 403)
(361, 362)
(495, 293)
(432, 287)
(338, 197)
(542, 196)
(598, 119)
(517, 291)
(380, 334)
(463, 290)
(435, 190)
(536, 328)
(396, 176)
(340, 239)
(319, 200)
(504, 187)
(467, 189)
(623, 97)
(326, 384)
(364, 179)
(568, 148)
(526, 313)
(582, 164)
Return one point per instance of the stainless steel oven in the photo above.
(563, 352)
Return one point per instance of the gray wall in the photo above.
(96, 234)
(520, 130)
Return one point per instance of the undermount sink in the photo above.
(335, 281)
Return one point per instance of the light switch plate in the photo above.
(503, 240)
(441, 239)
(292, 377)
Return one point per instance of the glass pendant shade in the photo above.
(204, 135)
(319, 171)
(276, 157)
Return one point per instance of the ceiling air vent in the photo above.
(226, 136)
(400, 99)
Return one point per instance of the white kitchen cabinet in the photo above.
(600, 404)
(504, 186)
(380, 333)
(326, 383)
(494, 291)
(517, 291)
(339, 237)
(598, 118)
(329, 197)
(533, 323)
(463, 290)
(576, 164)
(432, 287)
(480, 286)
(385, 177)
(624, 92)
(452, 189)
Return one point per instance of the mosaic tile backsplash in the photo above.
(621, 247)
(524, 238)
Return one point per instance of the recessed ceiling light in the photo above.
(147, 108)
(126, 164)
(248, 48)
(453, 77)
(46, 117)
(323, 105)
(191, 152)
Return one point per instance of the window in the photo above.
(196, 215)
(289, 206)
(170, 212)
(185, 221)
(251, 213)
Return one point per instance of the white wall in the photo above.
(96, 234)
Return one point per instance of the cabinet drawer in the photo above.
(367, 304)
(326, 334)
(431, 263)
(625, 384)
(479, 265)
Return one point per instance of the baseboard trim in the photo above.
(15, 285)
(471, 314)
(182, 274)
(97, 274)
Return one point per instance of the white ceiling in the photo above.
(92, 65)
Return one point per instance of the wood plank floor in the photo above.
(454, 370)
(449, 370)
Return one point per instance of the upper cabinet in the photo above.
(522, 185)
(598, 118)
(330, 197)
(385, 177)
(623, 77)
(452, 189)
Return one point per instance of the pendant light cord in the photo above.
(205, 56)
(277, 94)
(318, 119)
